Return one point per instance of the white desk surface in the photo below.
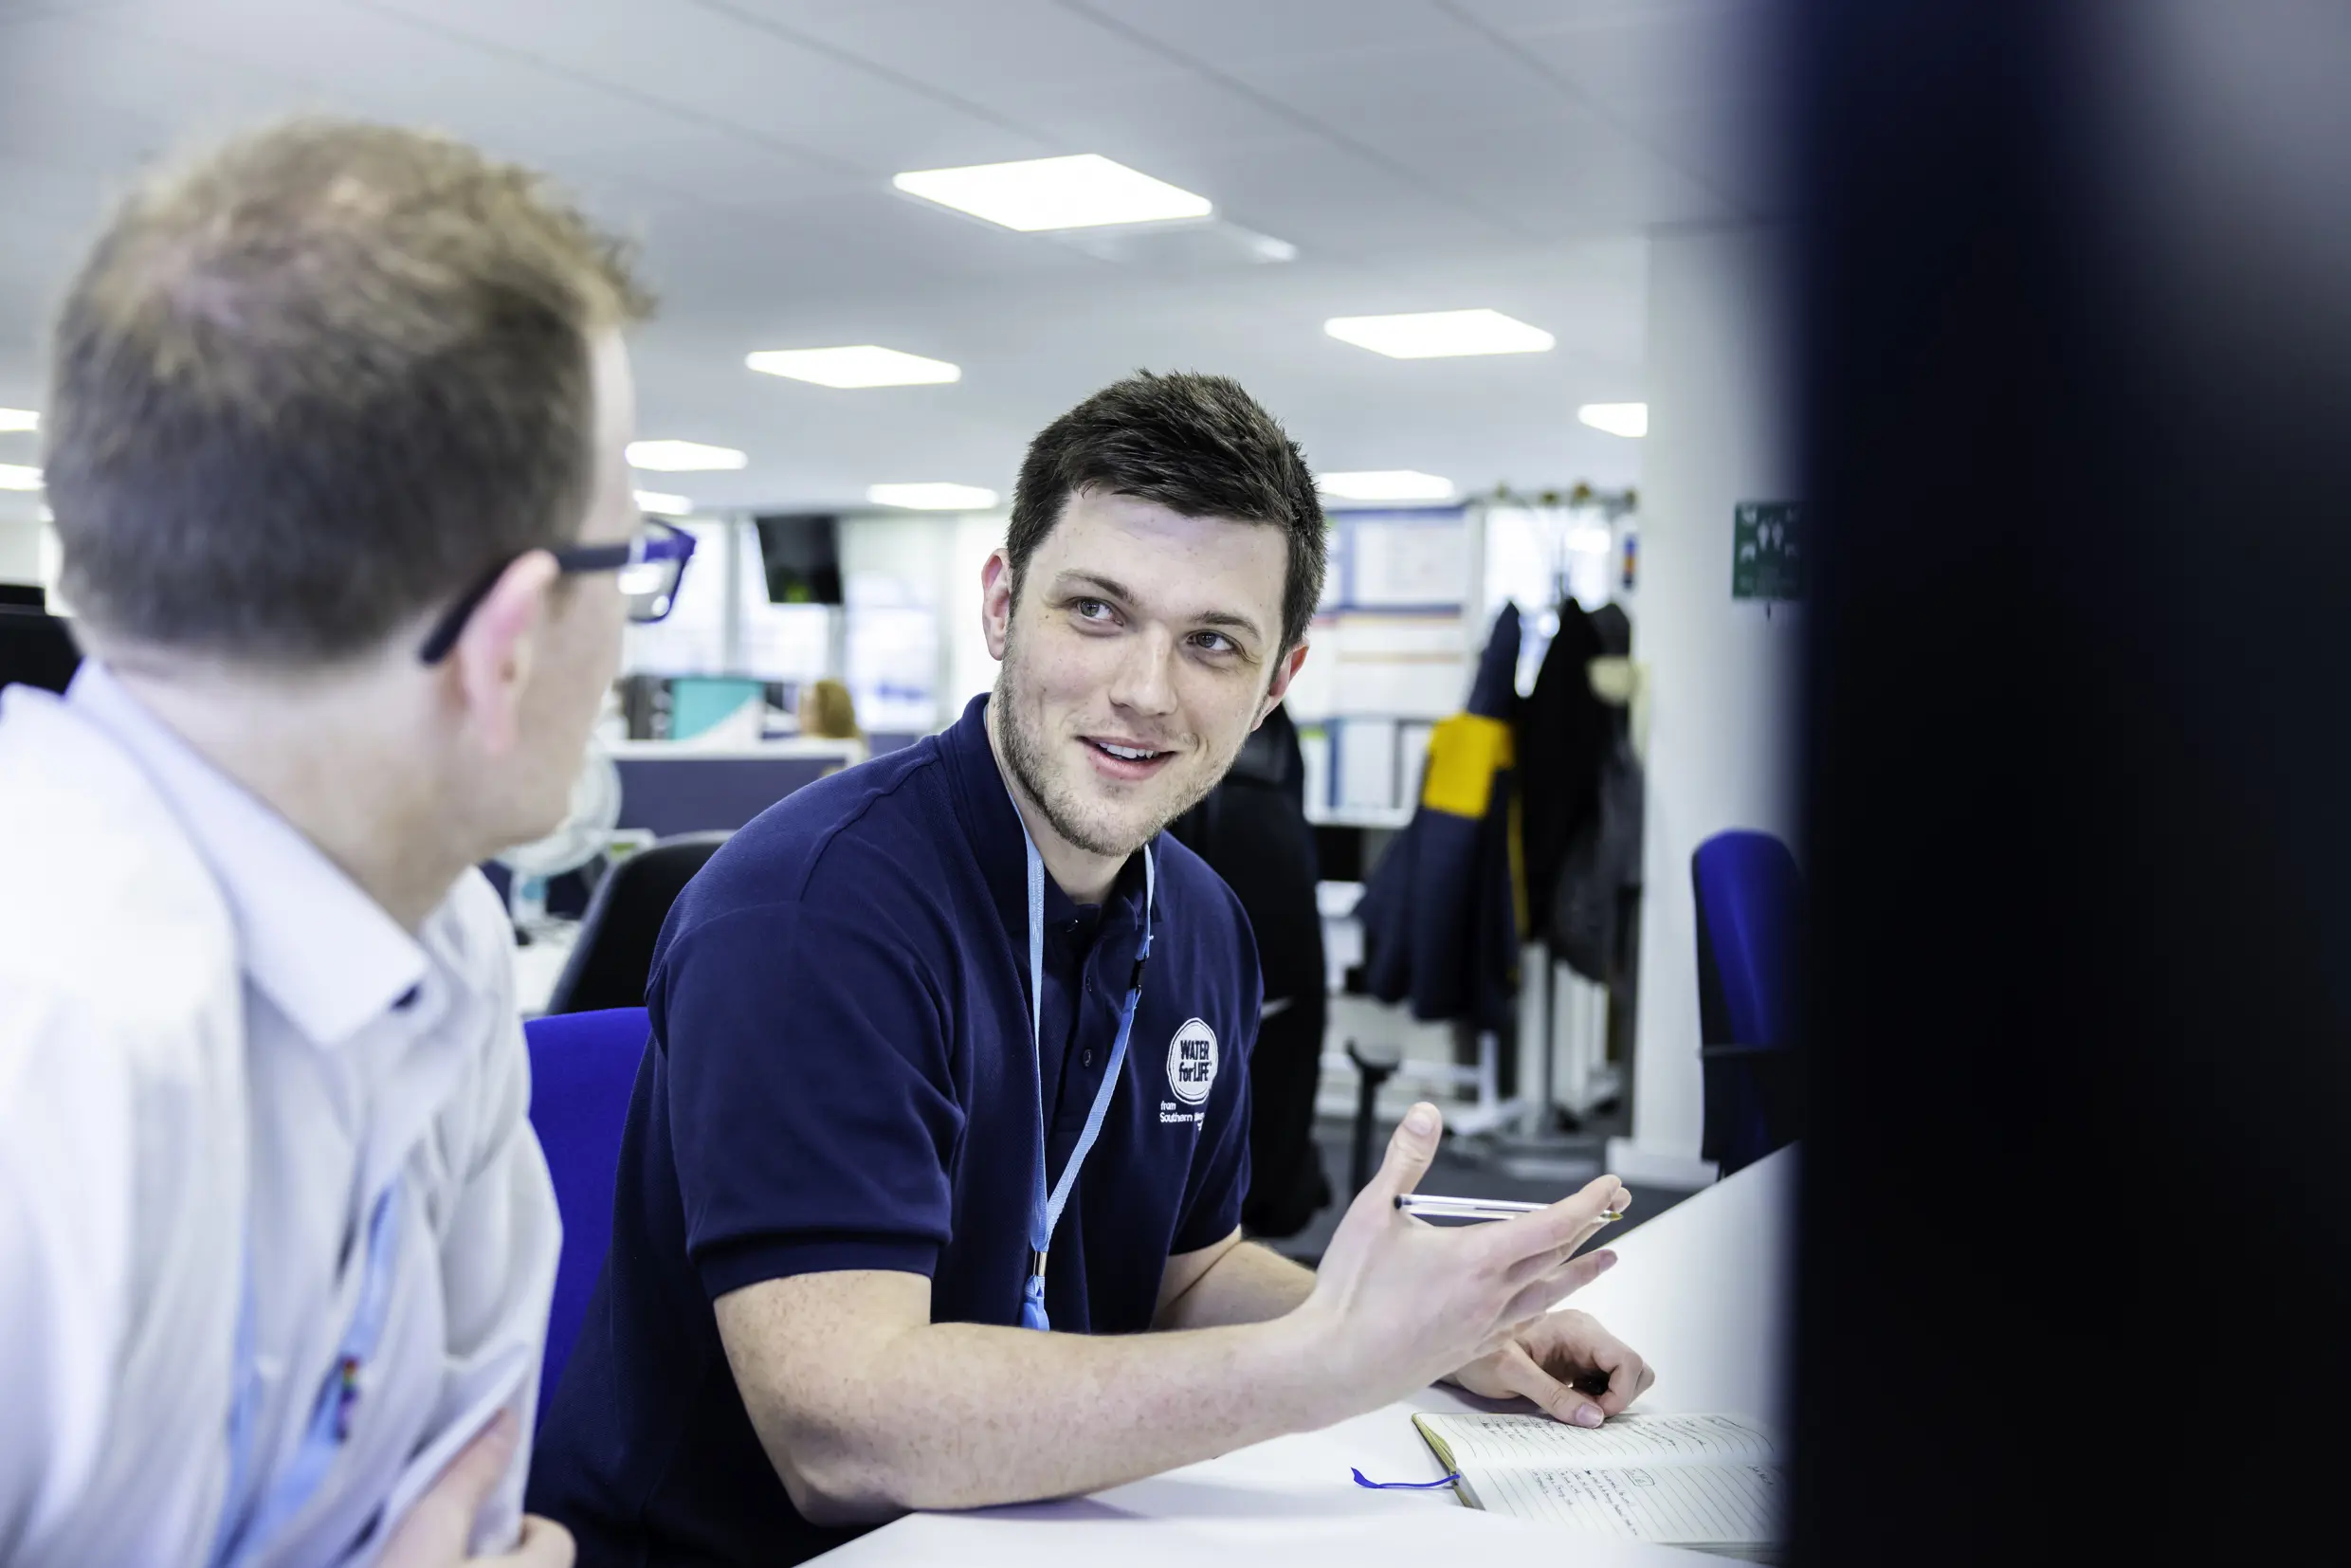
(1700, 1291)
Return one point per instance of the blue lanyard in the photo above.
(241, 1539)
(1045, 1212)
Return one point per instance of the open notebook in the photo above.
(1708, 1482)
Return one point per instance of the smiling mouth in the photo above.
(1124, 761)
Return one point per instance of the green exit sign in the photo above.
(1767, 550)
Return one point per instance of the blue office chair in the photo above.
(1750, 956)
(583, 1067)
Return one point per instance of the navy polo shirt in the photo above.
(841, 1076)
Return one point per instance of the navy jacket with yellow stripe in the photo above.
(1442, 913)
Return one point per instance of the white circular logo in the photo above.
(1192, 1062)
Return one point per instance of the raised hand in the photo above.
(1405, 1302)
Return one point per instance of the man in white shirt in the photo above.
(335, 432)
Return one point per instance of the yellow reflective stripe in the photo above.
(1464, 754)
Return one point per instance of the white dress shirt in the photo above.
(216, 1053)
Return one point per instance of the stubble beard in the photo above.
(1025, 755)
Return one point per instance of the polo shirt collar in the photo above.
(326, 953)
(993, 826)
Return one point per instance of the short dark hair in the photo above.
(318, 381)
(1197, 444)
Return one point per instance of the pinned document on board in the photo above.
(1767, 550)
(1407, 558)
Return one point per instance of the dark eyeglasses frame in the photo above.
(661, 541)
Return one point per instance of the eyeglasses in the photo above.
(649, 566)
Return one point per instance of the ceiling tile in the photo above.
(715, 66)
(1230, 32)
(748, 142)
(986, 52)
(1322, 198)
(1531, 18)
(1464, 81)
(1156, 123)
(1678, 55)
(1561, 172)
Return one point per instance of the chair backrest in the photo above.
(583, 1068)
(1750, 898)
(36, 650)
(615, 954)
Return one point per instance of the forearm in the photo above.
(961, 1415)
(500, 1238)
(1249, 1284)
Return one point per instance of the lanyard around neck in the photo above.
(1043, 1208)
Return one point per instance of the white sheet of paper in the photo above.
(1538, 1440)
(1314, 750)
(1711, 1505)
(1367, 763)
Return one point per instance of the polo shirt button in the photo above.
(1085, 1058)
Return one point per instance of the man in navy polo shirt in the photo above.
(952, 1047)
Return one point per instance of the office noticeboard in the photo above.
(1767, 550)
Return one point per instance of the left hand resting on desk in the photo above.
(1554, 1354)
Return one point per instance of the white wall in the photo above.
(19, 550)
(971, 668)
(935, 560)
(1722, 676)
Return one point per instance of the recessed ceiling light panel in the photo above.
(19, 419)
(1386, 485)
(1041, 193)
(662, 504)
(933, 498)
(1626, 419)
(859, 365)
(682, 457)
(16, 476)
(1439, 334)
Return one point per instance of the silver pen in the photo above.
(1431, 1206)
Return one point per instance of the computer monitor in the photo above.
(802, 554)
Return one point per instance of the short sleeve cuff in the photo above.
(1207, 1227)
(758, 1259)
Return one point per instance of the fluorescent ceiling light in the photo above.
(19, 419)
(1625, 419)
(1435, 334)
(863, 365)
(15, 475)
(662, 504)
(1038, 193)
(682, 457)
(1386, 485)
(933, 498)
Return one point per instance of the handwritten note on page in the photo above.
(1688, 1504)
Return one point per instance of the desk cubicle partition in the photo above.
(669, 790)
